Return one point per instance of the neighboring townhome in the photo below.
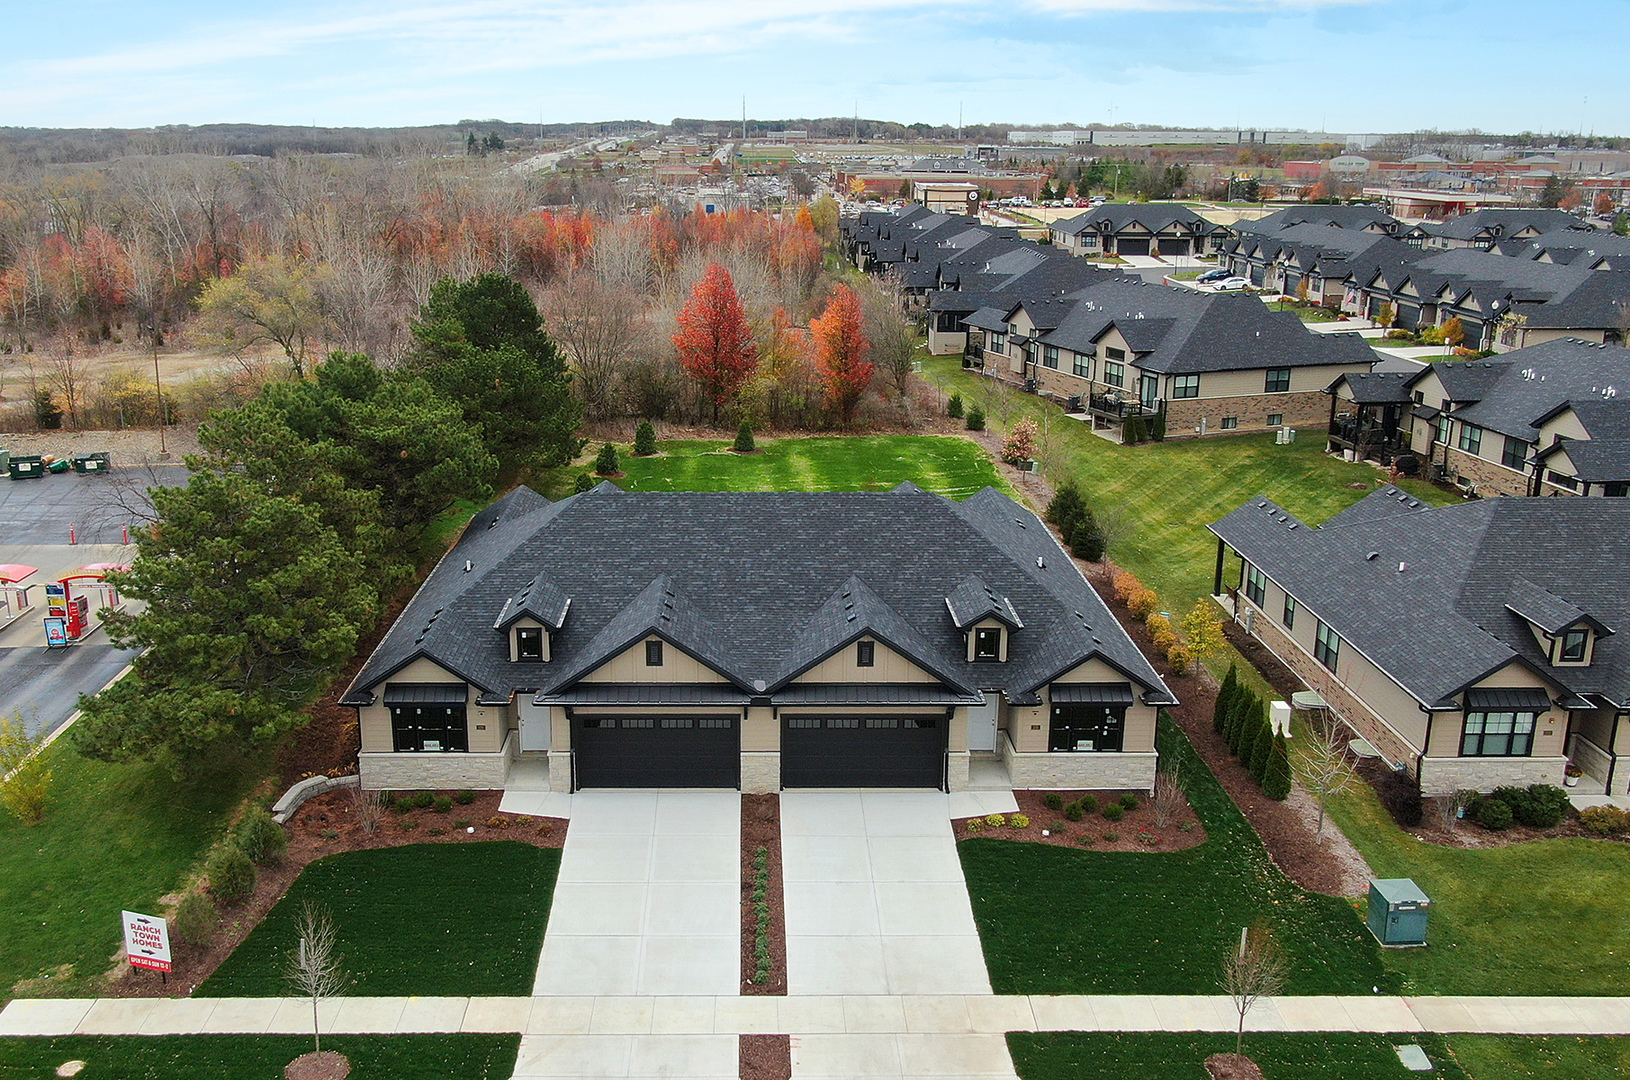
(1311, 261)
(1165, 229)
(756, 641)
(1357, 218)
(1483, 229)
(1472, 645)
(1518, 424)
(1211, 363)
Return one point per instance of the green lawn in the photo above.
(1082, 1055)
(1160, 496)
(945, 465)
(1551, 1057)
(1060, 921)
(115, 836)
(259, 1057)
(1545, 917)
(427, 919)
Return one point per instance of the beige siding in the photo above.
(531, 623)
(1027, 728)
(1217, 384)
(677, 667)
(1564, 425)
(760, 731)
(487, 724)
(987, 624)
(890, 667)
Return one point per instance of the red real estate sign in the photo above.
(147, 941)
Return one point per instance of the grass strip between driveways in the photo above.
(1105, 1055)
(259, 1057)
(427, 919)
(945, 465)
(1058, 921)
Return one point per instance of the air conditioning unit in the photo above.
(1033, 468)
(916, 367)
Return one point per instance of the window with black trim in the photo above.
(1442, 435)
(1562, 480)
(678, 721)
(1114, 374)
(429, 728)
(1326, 646)
(1290, 612)
(1049, 356)
(1112, 353)
(1229, 423)
(1256, 584)
(1093, 729)
(998, 341)
(1515, 454)
(865, 653)
(1471, 438)
(529, 643)
(1081, 366)
(1498, 734)
(1185, 386)
(987, 643)
(1275, 419)
(1572, 650)
(653, 654)
(1276, 381)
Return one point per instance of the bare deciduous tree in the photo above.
(893, 338)
(314, 963)
(369, 807)
(596, 324)
(1254, 971)
(1321, 766)
(65, 373)
(1449, 808)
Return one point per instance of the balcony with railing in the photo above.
(1119, 405)
(1368, 437)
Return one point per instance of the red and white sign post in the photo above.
(147, 941)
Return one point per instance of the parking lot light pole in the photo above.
(158, 388)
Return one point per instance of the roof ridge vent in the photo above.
(1402, 567)
(468, 566)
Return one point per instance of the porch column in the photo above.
(1216, 581)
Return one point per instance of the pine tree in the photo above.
(1230, 686)
(606, 463)
(744, 439)
(1087, 539)
(645, 439)
(1237, 707)
(1065, 507)
(1276, 784)
(1261, 749)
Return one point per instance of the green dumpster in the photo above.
(26, 467)
(61, 465)
(89, 463)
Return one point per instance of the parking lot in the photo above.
(42, 684)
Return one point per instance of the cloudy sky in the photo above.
(1336, 65)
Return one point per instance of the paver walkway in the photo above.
(648, 900)
(875, 898)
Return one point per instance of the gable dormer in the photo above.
(1565, 632)
(986, 618)
(530, 618)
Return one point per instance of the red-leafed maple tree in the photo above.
(840, 351)
(714, 343)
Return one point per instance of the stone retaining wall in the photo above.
(309, 788)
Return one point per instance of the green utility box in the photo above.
(1398, 911)
(89, 463)
(26, 466)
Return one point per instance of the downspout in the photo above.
(1612, 754)
(1420, 758)
(1216, 581)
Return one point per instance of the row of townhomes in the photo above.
(756, 641)
(1551, 419)
(1167, 229)
(1473, 645)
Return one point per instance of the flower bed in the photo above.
(1134, 830)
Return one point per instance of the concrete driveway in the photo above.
(875, 898)
(648, 901)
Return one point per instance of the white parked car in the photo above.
(1231, 284)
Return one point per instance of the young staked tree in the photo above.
(1321, 765)
(714, 343)
(1254, 971)
(841, 352)
(314, 967)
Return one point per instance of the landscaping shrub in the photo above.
(953, 407)
(1493, 814)
(1160, 631)
(1261, 750)
(1066, 507)
(195, 919)
(1114, 812)
(1087, 538)
(423, 799)
(995, 821)
(1129, 801)
(1088, 804)
(261, 838)
(1239, 708)
(1074, 812)
(465, 797)
(1225, 696)
(231, 874)
(976, 419)
(1124, 585)
(442, 804)
(605, 463)
(1605, 820)
(1157, 426)
(1019, 821)
(1142, 603)
(1134, 430)
(645, 439)
(584, 482)
(744, 439)
(1539, 806)
(975, 824)
(1180, 657)
(1276, 781)
(1400, 796)
(1053, 801)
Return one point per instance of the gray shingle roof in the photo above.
(754, 586)
(973, 600)
(1513, 393)
(1542, 607)
(1152, 217)
(1331, 217)
(1378, 387)
(1441, 621)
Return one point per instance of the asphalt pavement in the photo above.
(44, 684)
(96, 505)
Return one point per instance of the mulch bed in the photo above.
(761, 827)
(766, 1057)
(328, 1065)
(1284, 828)
(1232, 1067)
(1136, 831)
(309, 840)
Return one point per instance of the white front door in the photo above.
(534, 726)
(982, 724)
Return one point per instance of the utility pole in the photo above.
(744, 118)
(158, 388)
(857, 120)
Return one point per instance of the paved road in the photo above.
(40, 511)
(45, 684)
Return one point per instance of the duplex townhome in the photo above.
(1473, 645)
(1371, 219)
(1165, 229)
(1209, 362)
(756, 641)
(1550, 419)
(1313, 257)
(1483, 229)
(1595, 251)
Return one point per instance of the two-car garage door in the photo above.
(905, 751)
(657, 751)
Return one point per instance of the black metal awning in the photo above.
(870, 694)
(1092, 694)
(1521, 698)
(647, 694)
(425, 693)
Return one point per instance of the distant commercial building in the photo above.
(946, 198)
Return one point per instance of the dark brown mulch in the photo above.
(766, 1057)
(1136, 831)
(328, 1065)
(309, 840)
(1232, 1067)
(1284, 832)
(761, 827)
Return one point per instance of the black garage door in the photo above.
(1174, 246)
(1132, 245)
(657, 751)
(863, 751)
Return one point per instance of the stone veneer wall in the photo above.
(1093, 772)
(760, 772)
(1302, 409)
(560, 771)
(1447, 775)
(449, 771)
(1490, 478)
(956, 770)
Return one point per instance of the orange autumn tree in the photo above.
(840, 351)
(714, 343)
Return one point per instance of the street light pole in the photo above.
(158, 388)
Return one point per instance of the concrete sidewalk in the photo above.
(972, 1014)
